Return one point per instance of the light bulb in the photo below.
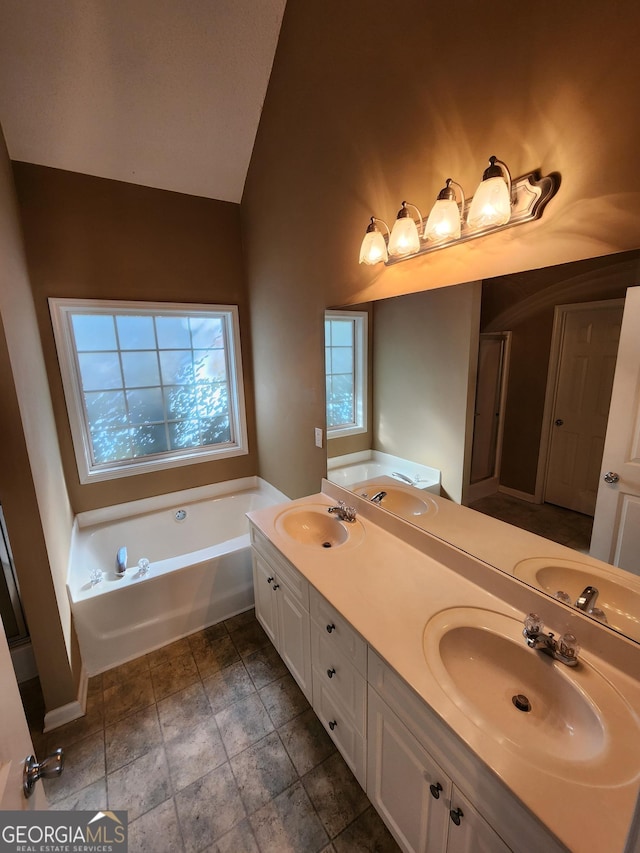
(444, 220)
(491, 205)
(404, 239)
(374, 248)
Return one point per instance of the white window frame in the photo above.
(89, 471)
(360, 320)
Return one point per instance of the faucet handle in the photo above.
(533, 625)
(569, 646)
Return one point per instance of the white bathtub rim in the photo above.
(426, 475)
(118, 512)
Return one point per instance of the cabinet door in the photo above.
(264, 579)
(472, 834)
(399, 778)
(294, 637)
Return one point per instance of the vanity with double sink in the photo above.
(470, 727)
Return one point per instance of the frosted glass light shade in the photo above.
(373, 249)
(443, 222)
(404, 239)
(491, 205)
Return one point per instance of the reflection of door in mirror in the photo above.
(587, 338)
(616, 532)
(488, 416)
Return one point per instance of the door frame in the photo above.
(490, 485)
(560, 314)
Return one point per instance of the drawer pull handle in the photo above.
(276, 586)
(270, 580)
(331, 628)
(456, 815)
(435, 790)
(331, 672)
(332, 724)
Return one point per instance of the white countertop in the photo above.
(388, 590)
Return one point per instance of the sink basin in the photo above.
(313, 525)
(404, 501)
(619, 599)
(570, 722)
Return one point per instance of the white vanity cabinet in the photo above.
(430, 791)
(339, 662)
(282, 608)
(416, 798)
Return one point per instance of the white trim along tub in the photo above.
(197, 544)
(355, 468)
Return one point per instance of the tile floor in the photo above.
(553, 522)
(210, 746)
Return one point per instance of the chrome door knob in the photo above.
(611, 477)
(52, 766)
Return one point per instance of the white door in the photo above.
(590, 337)
(15, 740)
(616, 527)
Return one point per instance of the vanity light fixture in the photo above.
(500, 202)
(405, 239)
(491, 205)
(374, 247)
(445, 217)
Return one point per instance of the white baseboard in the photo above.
(523, 496)
(72, 710)
(481, 490)
(24, 662)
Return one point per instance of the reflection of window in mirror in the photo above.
(346, 372)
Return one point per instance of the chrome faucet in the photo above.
(377, 498)
(587, 599)
(344, 512)
(565, 649)
(121, 561)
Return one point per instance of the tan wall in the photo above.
(93, 238)
(368, 105)
(32, 487)
(426, 345)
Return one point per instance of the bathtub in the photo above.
(197, 544)
(355, 468)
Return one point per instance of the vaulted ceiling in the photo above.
(164, 93)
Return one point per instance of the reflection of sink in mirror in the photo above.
(569, 722)
(405, 501)
(313, 525)
(618, 594)
(353, 468)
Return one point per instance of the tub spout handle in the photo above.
(121, 561)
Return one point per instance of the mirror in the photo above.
(428, 352)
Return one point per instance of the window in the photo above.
(346, 372)
(149, 386)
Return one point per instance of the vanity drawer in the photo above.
(338, 675)
(337, 722)
(338, 633)
(298, 585)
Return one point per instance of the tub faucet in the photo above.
(121, 561)
(344, 512)
(404, 478)
(565, 649)
(377, 498)
(587, 599)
